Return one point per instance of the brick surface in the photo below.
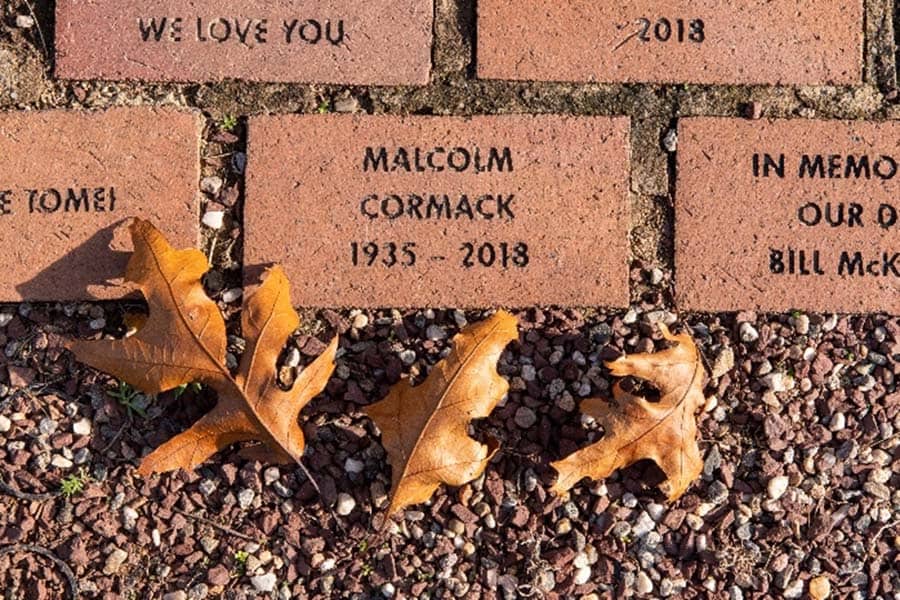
(702, 41)
(378, 42)
(321, 197)
(69, 180)
(785, 214)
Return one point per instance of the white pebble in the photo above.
(435, 333)
(748, 333)
(351, 465)
(407, 357)
(345, 504)
(61, 462)
(82, 427)
(232, 295)
(777, 487)
(5, 424)
(214, 219)
(245, 498)
(24, 22)
(211, 185)
(582, 575)
(271, 475)
(264, 583)
(643, 585)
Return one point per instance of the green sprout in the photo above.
(181, 389)
(324, 107)
(131, 399)
(363, 546)
(228, 123)
(74, 483)
(367, 570)
(241, 557)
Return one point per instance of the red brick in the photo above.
(782, 41)
(728, 220)
(384, 42)
(147, 159)
(306, 186)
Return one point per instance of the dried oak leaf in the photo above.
(424, 428)
(183, 340)
(635, 429)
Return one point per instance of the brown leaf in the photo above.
(183, 340)
(635, 429)
(424, 428)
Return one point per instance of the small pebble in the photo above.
(345, 504)
(5, 424)
(670, 141)
(525, 417)
(435, 333)
(48, 426)
(819, 588)
(582, 575)
(245, 498)
(82, 427)
(211, 185)
(407, 357)
(838, 421)
(24, 21)
(214, 219)
(360, 321)
(61, 462)
(114, 561)
(777, 486)
(346, 105)
(264, 583)
(232, 295)
(271, 475)
(207, 487)
(129, 518)
(642, 584)
(748, 333)
(351, 465)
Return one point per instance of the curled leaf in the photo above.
(183, 340)
(636, 429)
(424, 428)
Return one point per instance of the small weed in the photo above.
(324, 107)
(367, 570)
(240, 557)
(228, 123)
(363, 546)
(181, 389)
(74, 483)
(129, 398)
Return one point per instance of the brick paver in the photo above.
(69, 180)
(671, 41)
(441, 211)
(785, 214)
(377, 42)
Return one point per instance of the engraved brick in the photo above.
(497, 210)
(704, 41)
(70, 180)
(787, 214)
(376, 42)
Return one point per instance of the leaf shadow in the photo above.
(89, 270)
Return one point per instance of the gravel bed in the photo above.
(801, 438)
